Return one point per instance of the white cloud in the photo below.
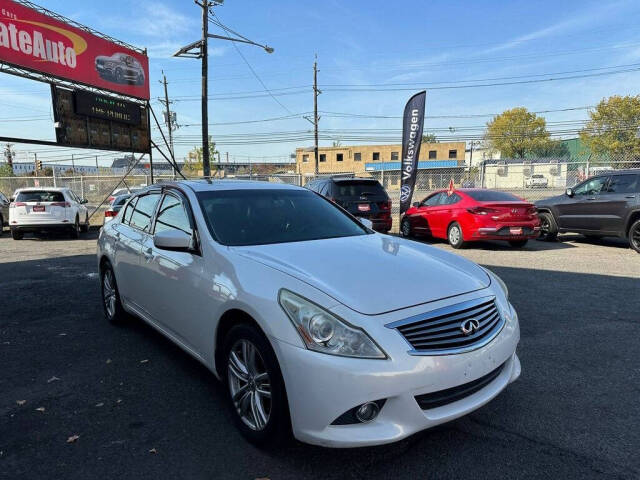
(154, 20)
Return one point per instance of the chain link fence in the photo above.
(532, 180)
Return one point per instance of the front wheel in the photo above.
(518, 243)
(405, 228)
(16, 234)
(634, 236)
(548, 227)
(256, 388)
(456, 240)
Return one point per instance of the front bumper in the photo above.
(322, 387)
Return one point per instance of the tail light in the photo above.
(110, 213)
(385, 206)
(481, 210)
(17, 204)
(111, 199)
(61, 204)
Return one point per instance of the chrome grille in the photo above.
(440, 331)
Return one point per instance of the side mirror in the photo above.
(366, 222)
(416, 204)
(172, 240)
(84, 200)
(12, 199)
(569, 192)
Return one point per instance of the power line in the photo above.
(228, 30)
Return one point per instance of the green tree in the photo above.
(193, 162)
(6, 170)
(517, 133)
(613, 127)
(429, 138)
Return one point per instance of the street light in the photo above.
(199, 49)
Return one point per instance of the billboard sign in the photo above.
(38, 42)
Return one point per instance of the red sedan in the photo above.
(469, 214)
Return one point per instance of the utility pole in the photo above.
(35, 164)
(169, 121)
(199, 49)
(204, 52)
(316, 119)
(73, 165)
(97, 167)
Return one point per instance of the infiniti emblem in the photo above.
(469, 326)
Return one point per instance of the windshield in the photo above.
(259, 217)
(356, 188)
(40, 196)
(492, 196)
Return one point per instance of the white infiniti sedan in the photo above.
(315, 323)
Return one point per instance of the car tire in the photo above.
(85, 226)
(1, 225)
(405, 228)
(262, 419)
(119, 78)
(634, 236)
(75, 232)
(455, 236)
(16, 234)
(518, 243)
(111, 304)
(548, 227)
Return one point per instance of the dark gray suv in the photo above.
(4, 211)
(603, 206)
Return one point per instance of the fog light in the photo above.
(367, 412)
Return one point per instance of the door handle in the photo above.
(630, 196)
(591, 198)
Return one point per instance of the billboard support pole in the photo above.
(206, 166)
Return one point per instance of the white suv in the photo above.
(37, 209)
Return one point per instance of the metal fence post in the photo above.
(81, 187)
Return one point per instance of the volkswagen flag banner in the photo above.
(411, 139)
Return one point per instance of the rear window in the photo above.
(357, 188)
(40, 196)
(492, 196)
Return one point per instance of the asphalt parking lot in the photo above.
(141, 408)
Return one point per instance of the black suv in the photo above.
(604, 205)
(361, 197)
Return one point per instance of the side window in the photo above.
(432, 200)
(590, 187)
(143, 212)
(324, 188)
(172, 216)
(622, 184)
(126, 216)
(451, 199)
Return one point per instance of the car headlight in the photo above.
(323, 332)
(503, 285)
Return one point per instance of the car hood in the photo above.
(373, 274)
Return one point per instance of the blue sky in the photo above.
(358, 43)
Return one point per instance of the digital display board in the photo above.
(97, 129)
(106, 108)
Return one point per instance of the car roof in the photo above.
(350, 179)
(215, 185)
(39, 189)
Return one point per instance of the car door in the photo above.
(4, 209)
(441, 214)
(131, 233)
(616, 199)
(174, 279)
(421, 220)
(76, 207)
(583, 211)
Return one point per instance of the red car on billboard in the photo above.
(469, 214)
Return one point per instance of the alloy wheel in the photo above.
(109, 293)
(545, 226)
(454, 235)
(406, 228)
(634, 236)
(249, 384)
